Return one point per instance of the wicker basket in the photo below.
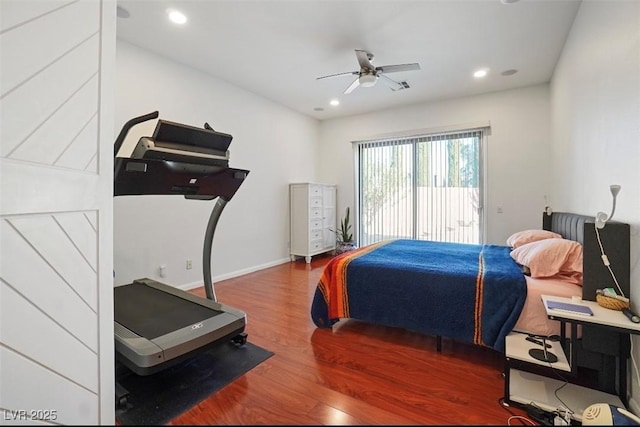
(611, 303)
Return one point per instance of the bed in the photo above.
(472, 293)
(445, 289)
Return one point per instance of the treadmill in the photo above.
(157, 325)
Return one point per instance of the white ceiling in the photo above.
(277, 49)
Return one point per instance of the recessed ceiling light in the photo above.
(480, 73)
(510, 72)
(334, 102)
(509, 1)
(176, 16)
(318, 109)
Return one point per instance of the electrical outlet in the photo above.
(189, 264)
(163, 270)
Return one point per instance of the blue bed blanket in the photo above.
(472, 293)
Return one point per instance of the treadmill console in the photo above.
(177, 159)
(186, 144)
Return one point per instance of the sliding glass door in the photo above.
(426, 188)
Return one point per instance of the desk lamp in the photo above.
(601, 217)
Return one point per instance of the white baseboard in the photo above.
(199, 283)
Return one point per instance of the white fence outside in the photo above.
(447, 214)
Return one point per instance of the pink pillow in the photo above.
(527, 236)
(556, 257)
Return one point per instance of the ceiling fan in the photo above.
(368, 75)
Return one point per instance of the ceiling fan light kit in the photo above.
(367, 80)
(368, 74)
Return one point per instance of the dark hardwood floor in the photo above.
(355, 373)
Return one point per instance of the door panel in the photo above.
(57, 60)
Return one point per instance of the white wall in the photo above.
(517, 150)
(595, 130)
(276, 144)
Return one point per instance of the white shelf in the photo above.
(601, 316)
(552, 394)
(517, 347)
(526, 388)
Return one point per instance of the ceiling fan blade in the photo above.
(393, 85)
(352, 86)
(363, 59)
(399, 67)
(339, 74)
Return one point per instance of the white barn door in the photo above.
(57, 61)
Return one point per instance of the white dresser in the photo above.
(313, 216)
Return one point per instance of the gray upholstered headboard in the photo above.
(570, 226)
(615, 238)
(615, 241)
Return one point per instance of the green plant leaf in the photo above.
(344, 234)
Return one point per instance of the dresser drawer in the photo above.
(315, 202)
(315, 214)
(315, 224)
(315, 245)
(315, 191)
(315, 235)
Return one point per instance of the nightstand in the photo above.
(542, 388)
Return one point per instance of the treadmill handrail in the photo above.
(117, 164)
(127, 127)
(208, 243)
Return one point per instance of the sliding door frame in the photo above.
(484, 130)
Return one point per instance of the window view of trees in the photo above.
(420, 188)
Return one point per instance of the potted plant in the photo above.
(344, 236)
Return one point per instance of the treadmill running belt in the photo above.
(151, 313)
